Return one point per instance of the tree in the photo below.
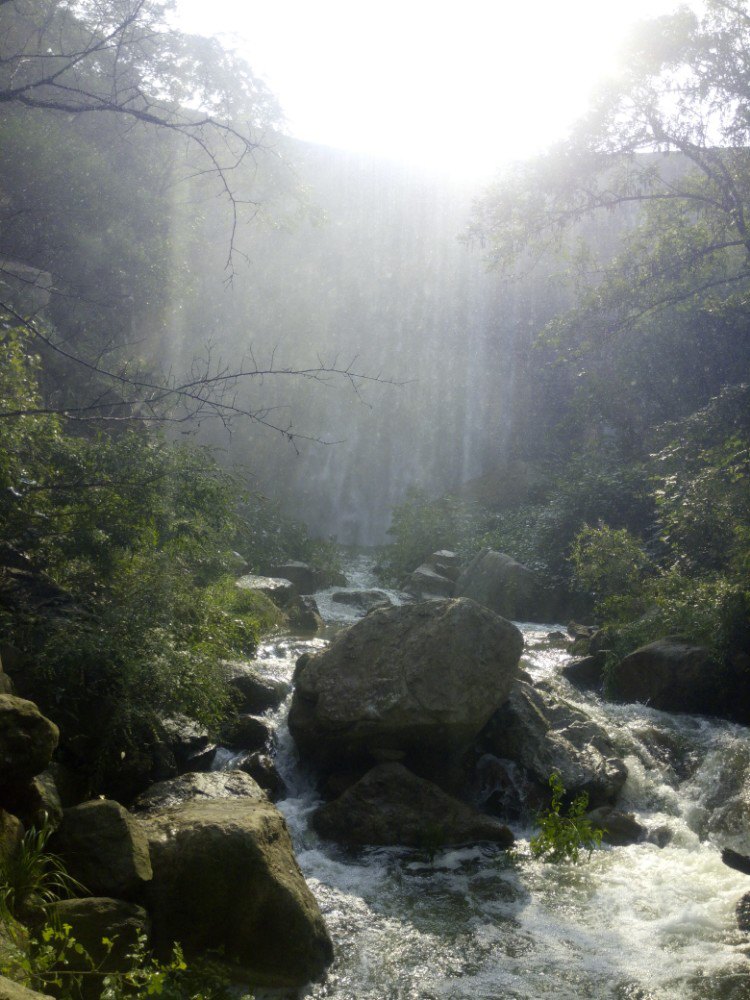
(104, 112)
(645, 208)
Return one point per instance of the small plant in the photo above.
(31, 877)
(562, 838)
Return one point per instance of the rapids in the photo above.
(644, 922)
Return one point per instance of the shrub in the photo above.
(563, 837)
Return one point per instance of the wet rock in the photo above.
(542, 734)
(279, 590)
(361, 599)
(27, 741)
(187, 739)
(198, 787)
(421, 679)
(446, 563)
(301, 574)
(390, 805)
(743, 913)
(618, 828)
(262, 769)
(670, 675)
(253, 691)
(94, 918)
(305, 615)
(507, 587)
(503, 789)
(103, 847)
(426, 582)
(225, 877)
(586, 673)
(247, 732)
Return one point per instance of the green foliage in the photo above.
(31, 876)
(562, 837)
(54, 962)
(134, 536)
(420, 526)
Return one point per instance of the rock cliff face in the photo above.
(414, 683)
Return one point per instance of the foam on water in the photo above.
(631, 923)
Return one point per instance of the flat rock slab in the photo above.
(418, 679)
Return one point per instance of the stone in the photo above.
(743, 913)
(280, 591)
(618, 828)
(38, 802)
(262, 769)
(247, 732)
(187, 739)
(225, 877)
(542, 734)
(198, 787)
(103, 847)
(426, 582)
(10, 990)
(507, 587)
(253, 691)
(390, 805)
(363, 600)
(304, 614)
(301, 574)
(421, 679)
(96, 917)
(446, 563)
(587, 672)
(11, 834)
(27, 740)
(671, 675)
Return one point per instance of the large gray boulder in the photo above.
(416, 682)
(390, 805)
(507, 587)
(668, 674)
(103, 847)
(27, 741)
(225, 877)
(426, 582)
(542, 734)
(279, 590)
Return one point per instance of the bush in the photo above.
(563, 837)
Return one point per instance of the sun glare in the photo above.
(458, 87)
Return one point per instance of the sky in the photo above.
(459, 86)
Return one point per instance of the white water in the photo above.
(632, 923)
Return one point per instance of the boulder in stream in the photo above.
(507, 587)
(279, 590)
(542, 734)
(671, 675)
(390, 805)
(253, 690)
(225, 877)
(426, 582)
(417, 681)
(362, 600)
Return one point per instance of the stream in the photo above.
(643, 922)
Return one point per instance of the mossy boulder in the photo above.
(27, 741)
(225, 877)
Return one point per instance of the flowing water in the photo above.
(644, 922)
